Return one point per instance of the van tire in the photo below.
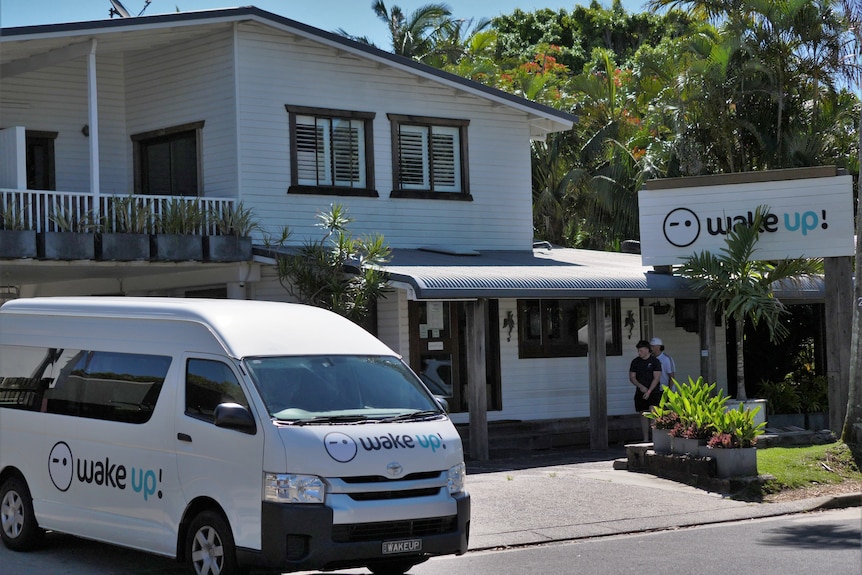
(210, 548)
(18, 526)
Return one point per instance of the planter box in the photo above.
(817, 420)
(66, 246)
(15, 244)
(786, 420)
(741, 462)
(661, 441)
(176, 248)
(124, 247)
(685, 446)
(227, 248)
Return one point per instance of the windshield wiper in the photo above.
(321, 419)
(413, 416)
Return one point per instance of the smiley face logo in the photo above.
(340, 447)
(681, 227)
(60, 466)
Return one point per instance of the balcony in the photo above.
(68, 242)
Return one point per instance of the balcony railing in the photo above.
(43, 210)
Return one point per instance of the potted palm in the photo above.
(18, 239)
(232, 243)
(72, 236)
(177, 236)
(124, 231)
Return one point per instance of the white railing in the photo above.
(43, 210)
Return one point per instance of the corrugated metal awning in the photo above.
(451, 274)
(539, 273)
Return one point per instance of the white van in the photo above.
(224, 433)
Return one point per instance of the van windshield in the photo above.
(340, 388)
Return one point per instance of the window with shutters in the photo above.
(429, 158)
(331, 152)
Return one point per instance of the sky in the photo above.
(353, 16)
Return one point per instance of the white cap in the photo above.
(655, 341)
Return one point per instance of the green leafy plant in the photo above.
(126, 215)
(67, 220)
(662, 416)
(697, 406)
(736, 428)
(182, 217)
(781, 396)
(234, 220)
(814, 394)
(12, 218)
(338, 272)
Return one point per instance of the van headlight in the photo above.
(455, 478)
(292, 488)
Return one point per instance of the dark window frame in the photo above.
(42, 177)
(555, 338)
(367, 119)
(142, 141)
(398, 189)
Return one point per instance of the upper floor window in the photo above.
(331, 152)
(430, 157)
(167, 161)
(558, 328)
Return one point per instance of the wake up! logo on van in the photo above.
(64, 468)
(343, 448)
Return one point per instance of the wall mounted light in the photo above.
(86, 130)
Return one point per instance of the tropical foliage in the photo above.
(741, 287)
(338, 272)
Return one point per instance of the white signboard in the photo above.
(811, 217)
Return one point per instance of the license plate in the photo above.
(405, 546)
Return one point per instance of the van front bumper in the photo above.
(303, 538)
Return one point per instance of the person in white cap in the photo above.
(668, 367)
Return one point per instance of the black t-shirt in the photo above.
(644, 368)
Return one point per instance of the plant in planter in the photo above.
(125, 230)
(177, 236)
(664, 419)
(697, 406)
(732, 445)
(73, 237)
(18, 240)
(234, 224)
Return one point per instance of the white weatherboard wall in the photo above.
(54, 99)
(275, 69)
(186, 83)
(810, 217)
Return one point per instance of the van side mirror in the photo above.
(441, 401)
(234, 416)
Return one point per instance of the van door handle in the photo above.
(184, 437)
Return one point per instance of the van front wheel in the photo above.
(210, 548)
(18, 527)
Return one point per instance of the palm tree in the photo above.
(741, 287)
(412, 37)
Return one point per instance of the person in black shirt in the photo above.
(645, 374)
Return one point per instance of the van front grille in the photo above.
(384, 495)
(385, 530)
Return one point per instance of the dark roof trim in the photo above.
(742, 178)
(251, 12)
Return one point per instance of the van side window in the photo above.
(209, 383)
(25, 374)
(106, 385)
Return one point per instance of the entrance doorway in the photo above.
(438, 351)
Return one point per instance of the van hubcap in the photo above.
(12, 515)
(207, 552)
